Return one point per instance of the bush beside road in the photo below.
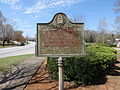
(42, 80)
(86, 70)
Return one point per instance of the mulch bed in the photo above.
(43, 81)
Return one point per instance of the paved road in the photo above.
(20, 50)
(17, 77)
(117, 48)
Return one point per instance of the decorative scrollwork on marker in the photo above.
(60, 20)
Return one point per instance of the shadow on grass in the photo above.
(17, 77)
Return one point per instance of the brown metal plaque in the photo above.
(60, 38)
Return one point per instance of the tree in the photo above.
(117, 26)
(2, 22)
(6, 29)
(80, 19)
(117, 20)
(7, 33)
(90, 36)
(18, 36)
(117, 6)
(110, 38)
(102, 30)
(27, 38)
(2, 18)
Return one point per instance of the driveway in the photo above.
(20, 50)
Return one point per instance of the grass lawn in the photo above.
(1, 46)
(8, 46)
(9, 62)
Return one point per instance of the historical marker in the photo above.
(60, 38)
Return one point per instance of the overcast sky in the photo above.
(26, 13)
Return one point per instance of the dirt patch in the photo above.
(43, 81)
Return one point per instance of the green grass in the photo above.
(7, 45)
(14, 45)
(1, 46)
(1, 42)
(9, 62)
(101, 44)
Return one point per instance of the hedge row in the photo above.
(101, 44)
(85, 70)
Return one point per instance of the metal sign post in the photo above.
(61, 75)
(60, 38)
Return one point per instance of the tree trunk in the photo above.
(4, 43)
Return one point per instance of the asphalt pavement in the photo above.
(117, 48)
(18, 50)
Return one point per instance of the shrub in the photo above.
(85, 70)
(101, 44)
